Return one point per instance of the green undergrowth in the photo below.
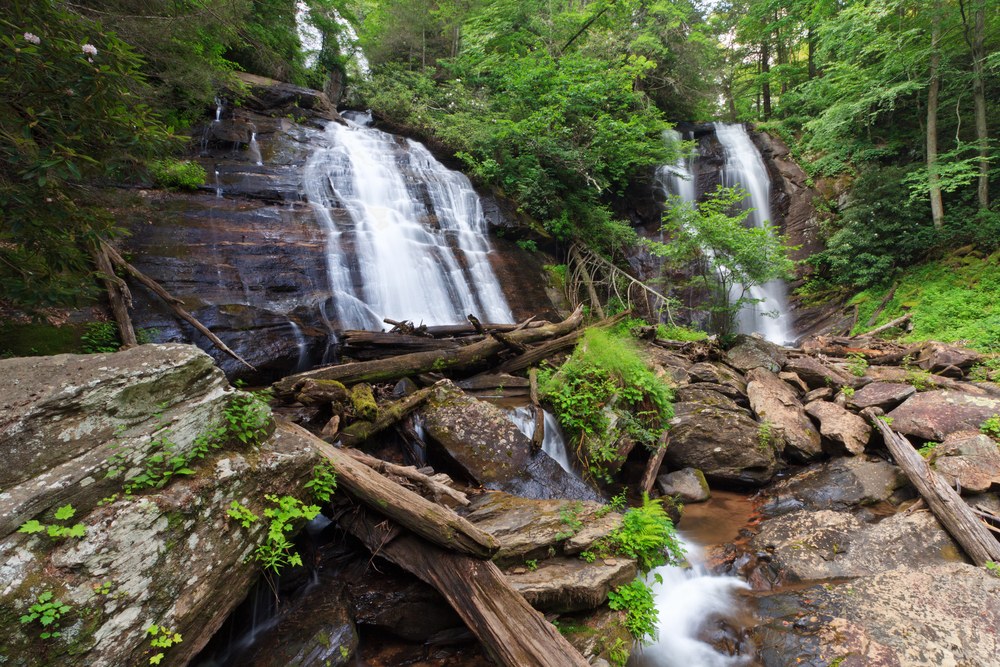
(606, 379)
(953, 300)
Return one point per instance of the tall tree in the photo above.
(933, 89)
(979, 95)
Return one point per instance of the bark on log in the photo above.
(881, 306)
(894, 358)
(436, 523)
(595, 302)
(119, 296)
(481, 382)
(449, 330)
(356, 338)
(173, 302)
(536, 355)
(421, 362)
(387, 416)
(653, 465)
(533, 386)
(957, 518)
(509, 342)
(431, 486)
(538, 435)
(514, 634)
(476, 323)
(888, 325)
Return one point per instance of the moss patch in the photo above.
(33, 340)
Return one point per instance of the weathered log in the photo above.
(882, 304)
(461, 358)
(894, 358)
(653, 465)
(538, 354)
(595, 302)
(481, 382)
(320, 392)
(514, 634)
(172, 302)
(356, 338)
(509, 342)
(449, 330)
(533, 385)
(119, 296)
(888, 325)
(957, 518)
(410, 473)
(387, 416)
(436, 523)
(538, 435)
(476, 323)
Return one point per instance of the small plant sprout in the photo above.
(47, 612)
(324, 481)
(54, 531)
(162, 637)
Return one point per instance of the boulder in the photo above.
(938, 357)
(687, 486)
(815, 373)
(485, 445)
(814, 545)
(595, 633)
(705, 394)
(529, 529)
(933, 415)
(945, 614)
(724, 444)
(841, 483)
(276, 98)
(848, 432)
(751, 352)
(920, 380)
(794, 381)
(971, 459)
(173, 556)
(719, 374)
(885, 395)
(821, 394)
(571, 584)
(773, 401)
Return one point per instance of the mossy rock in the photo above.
(363, 402)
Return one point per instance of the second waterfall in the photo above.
(406, 237)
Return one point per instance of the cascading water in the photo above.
(409, 239)
(678, 178)
(300, 341)
(744, 167)
(554, 443)
(255, 150)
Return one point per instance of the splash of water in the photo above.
(554, 443)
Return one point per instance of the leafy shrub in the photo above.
(645, 534)
(991, 427)
(172, 173)
(637, 599)
(47, 613)
(101, 337)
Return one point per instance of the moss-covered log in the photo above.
(387, 416)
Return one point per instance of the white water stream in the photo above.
(406, 237)
(554, 443)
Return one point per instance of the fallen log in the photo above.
(538, 354)
(653, 465)
(462, 358)
(358, 338)
(538, 435)
(957, 518)
(513, 633)
(894, 358)
(433, 522)
(410, 473)
(492, 381)
(119, 296)
(318, 392)
(881, 305)
(888, 325)
(449, 330)
(387, 416)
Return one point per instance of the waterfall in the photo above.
(218, 186)
(218, 109)
(686, 600)
(745, 167)
(255, 149)
(406, 237)
(677, 178)
(302, 364)
(554, 443)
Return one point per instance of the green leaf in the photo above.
(65, 512)
(155, 660)
(31, 527)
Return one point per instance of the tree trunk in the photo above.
(979, 94)
(119, 296)
(765, 69)
(937, 207)
(811, 39)
(653, 465)
(514, 634)
(387, 416)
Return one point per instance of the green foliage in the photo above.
(766, 439)
(161, 637)
(247, 418)
(173, 174)
(885, 419)
(48, 613)
(647, 535)
(55, 531)
(848, 391)
(637, 599)
(733, 258)
(994, 568)
(324, 481)
(569, 517)
(527, 245)
(616, 504)
(241, 514)
(991, 427)
(277, 552)
(928, 449)
(532, 564)
(101, 337)
(679, 333)
(857, 364)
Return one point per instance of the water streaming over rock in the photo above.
(554, 443)
(678, 178)
(300, 340)
(744, 167)
(255, 150)
(409, 239)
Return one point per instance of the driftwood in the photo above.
(429, 484)
(172, 302)
(538, 435)
(119, 296)
(433, 522)
(882, 304)
(888, 325)
(416, 363)
(538, 354)
(957, 518)
(653, 465)
(387, 416)
(514, 634)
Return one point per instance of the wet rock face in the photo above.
(724, 444)
(687, 486)
(482, 441)
(172, 556)
(842, 483)
(933, 415)
(935, 615)
(774, 401)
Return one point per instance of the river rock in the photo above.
(694, 396)
(821, 394)
(751, 352)
(815, 545)
(816, 374)
(571, 584)
(944, 614)
(595, 633)
(932, 415)
(938, 357)
(724, 444)
(719, 374)
(480, 439)
(848, 432)
(773, 401)
(173, 556)
(884, 395)
(687, 486)
(530, 529)
(841, 483)
(972, 459)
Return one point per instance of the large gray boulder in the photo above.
(933, 415)
(774, 401)
(571, 584)
(483, 443)
(724, 444)
(970, 459)
(751, 352)
(845, 431)
(172, 555)
(884, 395)
(816, 374)
(841, 483)
(686, 486)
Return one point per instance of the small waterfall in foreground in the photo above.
(255, 150)
(406, 237)
(554, 443)
(688, 600)
(744, 167)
